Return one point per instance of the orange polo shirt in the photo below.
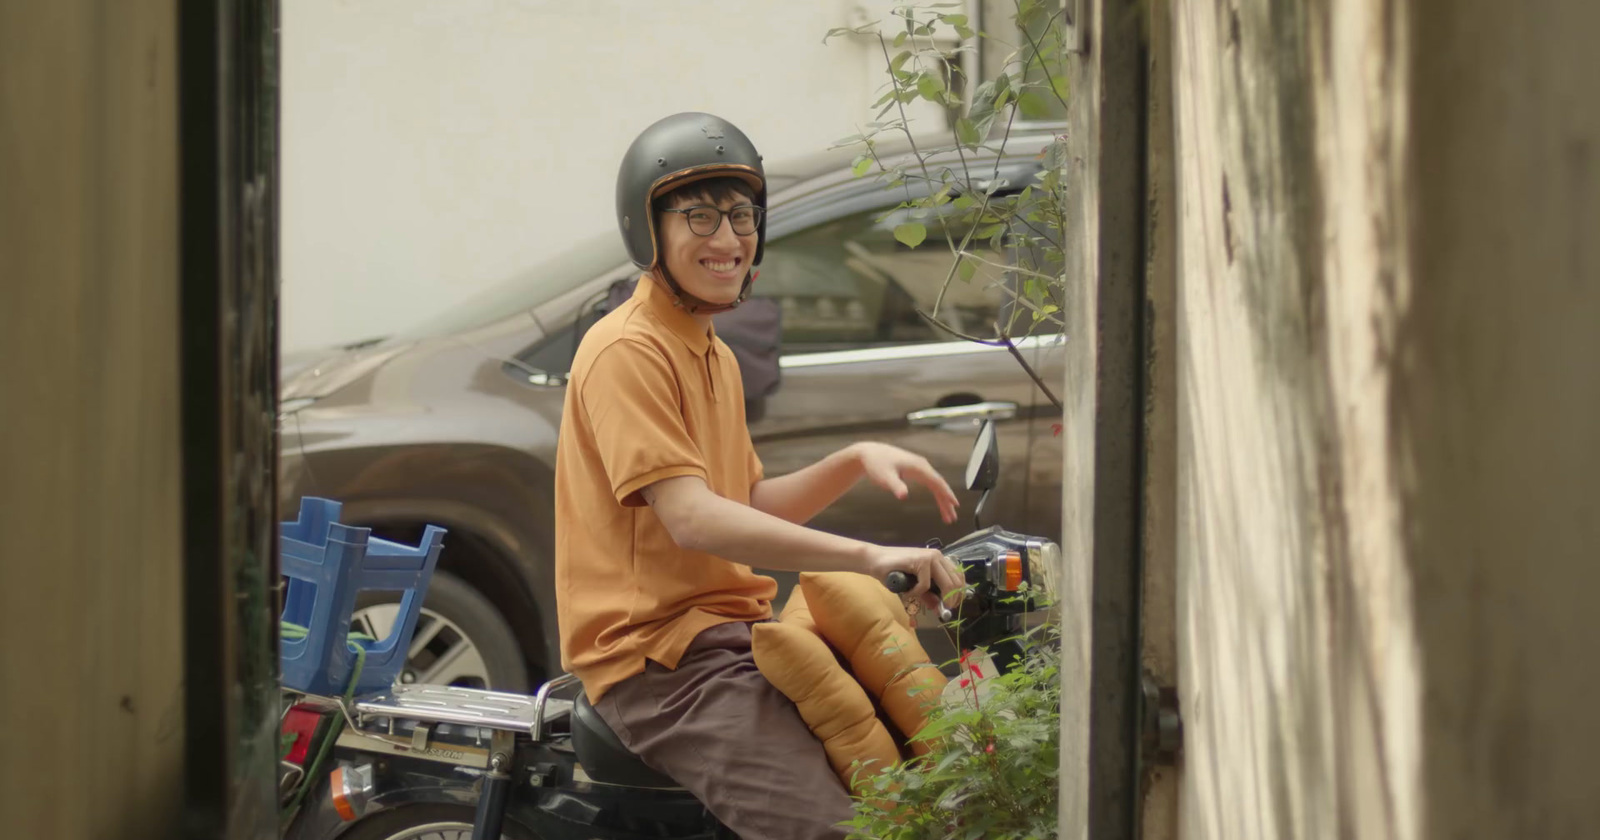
(651, 396)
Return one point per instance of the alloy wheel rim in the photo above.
(440, 653)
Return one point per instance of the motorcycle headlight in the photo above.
(1046, 566)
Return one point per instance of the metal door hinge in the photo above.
(1160, 725)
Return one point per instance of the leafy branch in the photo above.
(1021, 226)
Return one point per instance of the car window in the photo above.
(849, 283)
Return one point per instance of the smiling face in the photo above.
(712, 268)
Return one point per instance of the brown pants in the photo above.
(718, 728)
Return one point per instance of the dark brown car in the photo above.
(457, 426)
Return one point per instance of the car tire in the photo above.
(426, 822)
(457, 603)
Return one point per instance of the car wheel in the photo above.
(460, 640)
(426, 822)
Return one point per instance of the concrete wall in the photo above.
(1389, 464)
(91, 610)
(433, 148)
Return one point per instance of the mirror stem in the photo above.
(977, 511)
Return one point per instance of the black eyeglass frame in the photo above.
(755, 224)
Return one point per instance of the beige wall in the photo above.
(1389, 464)
(90, 608)
(435, 148)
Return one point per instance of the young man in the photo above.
(662, 508)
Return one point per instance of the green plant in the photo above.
(992, 772)
(983, 220)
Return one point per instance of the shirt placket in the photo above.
(711, 375)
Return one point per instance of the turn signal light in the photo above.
(350, 788)
(1013, 563)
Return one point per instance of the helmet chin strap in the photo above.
(695, 306)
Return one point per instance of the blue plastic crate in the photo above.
(327, 564)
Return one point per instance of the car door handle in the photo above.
(962, 416)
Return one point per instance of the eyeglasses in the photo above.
(704, 220)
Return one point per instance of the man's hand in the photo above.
(890, 467)
(928, 564)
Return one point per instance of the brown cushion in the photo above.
(868, 625)
(798, 663)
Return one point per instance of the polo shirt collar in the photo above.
(653, 294)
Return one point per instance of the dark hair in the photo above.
(711, 191)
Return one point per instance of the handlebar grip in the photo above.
(902, 582)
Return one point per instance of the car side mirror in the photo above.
(983, 468)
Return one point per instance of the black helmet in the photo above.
(675, 151)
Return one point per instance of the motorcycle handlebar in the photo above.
(902, 582)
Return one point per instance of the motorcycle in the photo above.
(427, 762)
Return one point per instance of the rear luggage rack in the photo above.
(494, 710)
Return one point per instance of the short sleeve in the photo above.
(631, 397)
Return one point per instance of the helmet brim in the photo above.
(677, 180)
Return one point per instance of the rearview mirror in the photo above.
(983, 467)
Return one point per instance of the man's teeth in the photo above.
(720, 266)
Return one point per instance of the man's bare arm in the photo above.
(801, 495)
(700, 520)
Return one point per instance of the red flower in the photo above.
(1055, 430)
(990, 748)
(965, 682)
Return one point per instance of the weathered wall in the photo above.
(1287, 502)
(1388, 458)
(90, 551)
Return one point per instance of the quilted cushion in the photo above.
(868, 625)
(800, 664)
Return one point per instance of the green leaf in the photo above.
(930, 87)
(1058, 84)
(964, 33)
(900, 39)
(1033, 105)
(954, 20)
(989, 232)
(899, 60)
(862, 164)
(911, 234)
(967, 133)
(967, 270)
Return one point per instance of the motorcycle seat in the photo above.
(603, 755)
